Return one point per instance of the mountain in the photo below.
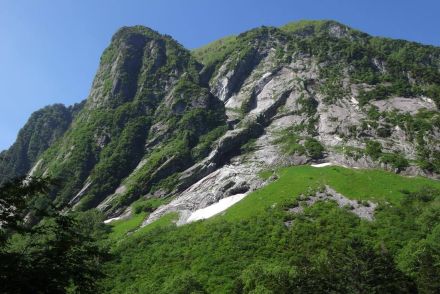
(147, 109)
(311, 151)
(194, 127)
(43, 129)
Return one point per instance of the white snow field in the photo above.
(322, 164)
(215, 208)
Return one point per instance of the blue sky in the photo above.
(49, 50)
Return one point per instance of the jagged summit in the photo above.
(136, 58)
(147, 110)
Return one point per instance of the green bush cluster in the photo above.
(396, 160)
(146, 205)
(373, 149)
(308, 105)
(290, 142)
(314, 148)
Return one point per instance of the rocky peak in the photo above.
(133, 58)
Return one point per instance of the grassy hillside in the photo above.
(248, 249)
(375, 185)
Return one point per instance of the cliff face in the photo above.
(314, 91)
(199, 126)
(143, 121)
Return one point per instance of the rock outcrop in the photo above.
(363, 209)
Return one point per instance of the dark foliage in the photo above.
(56, 255)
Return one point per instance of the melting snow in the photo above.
(215, 208)
(112, 219)
(322, 164)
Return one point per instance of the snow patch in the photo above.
(107, 221)
(266, 75)
(322, 164)
(125, 215)
(215, 208)
(332, 163)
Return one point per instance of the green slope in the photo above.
(326, 249)
(375, 185)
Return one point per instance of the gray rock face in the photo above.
(405, 105)
(221, 175)
(158, 123)
(272, 95)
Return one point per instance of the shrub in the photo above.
(289, 141)
(395, 160)
(314, 148)
(384, 132)
(373, 149)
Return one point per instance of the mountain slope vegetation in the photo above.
(325, 249)
(156, 111)
(166, 132)
(42, 130)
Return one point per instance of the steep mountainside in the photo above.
(194, 127)
(143, 122)
(43, 129)
(315, 91)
